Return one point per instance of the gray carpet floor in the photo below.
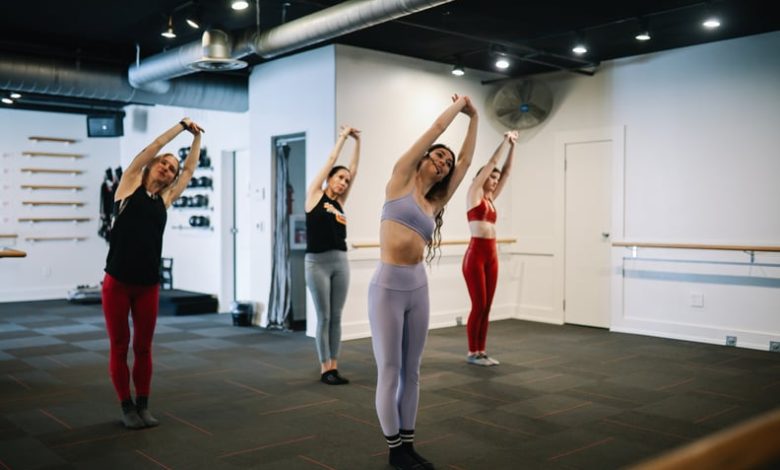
(564, 397)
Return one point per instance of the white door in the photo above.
(242, 224)
(588, 188)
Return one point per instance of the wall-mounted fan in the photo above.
(520, 104)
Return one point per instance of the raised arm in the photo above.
(353, 163)
(131, 176)
(476, 189)
(406, 166)
(314, 191)
(190, 163)
(511, 138)
(466, 153)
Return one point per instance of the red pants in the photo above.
(480, 268)
(142, 302)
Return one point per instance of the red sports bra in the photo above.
(483, 211)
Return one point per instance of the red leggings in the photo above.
(480, 268)
(119, 300)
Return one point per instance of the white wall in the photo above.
(700, 160)
(51, 268)
(196, 252)
(286, 96)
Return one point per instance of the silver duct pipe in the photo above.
(344, 18)
(338, 20)
(68, 78)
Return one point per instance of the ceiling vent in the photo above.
(216, 53)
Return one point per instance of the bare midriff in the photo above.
(400, 245)
(482, 229)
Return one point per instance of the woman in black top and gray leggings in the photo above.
(327, 268)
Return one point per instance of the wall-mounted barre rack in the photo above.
(52, 154)
(53, 203)
(53, 239)
(51, 186)
(51, 170)
(53, 219)
(39, 138)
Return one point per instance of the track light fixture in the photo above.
(239, 5)
(502, 63)
(579, 45)
(15, 96)
(193, 20)
(7, 100)
(644, 32)
(458, 71)
(168, 33)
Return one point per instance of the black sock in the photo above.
(141, 402)
(398, 457)
(407, 444)
(128, 405)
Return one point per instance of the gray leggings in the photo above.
(327, 276)
(398, 311)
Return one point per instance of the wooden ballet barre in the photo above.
(696, 246)
(53, 219)
(751, 444)
(51, 186)
(40, 138)
(8, 235)
(53, 203)
(51, 170)
(52, 154)
(11, 253)
(443, 242)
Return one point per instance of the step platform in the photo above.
(172, 301)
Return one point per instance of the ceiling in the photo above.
(536, 36)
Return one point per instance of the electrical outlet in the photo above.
(774, 346)
(459, 321)
(731, 340)
(697, 299)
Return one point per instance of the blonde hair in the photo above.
(155, 161)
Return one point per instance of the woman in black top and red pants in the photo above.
(148, 187)
(327, 268)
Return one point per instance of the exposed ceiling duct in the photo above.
(89, 81)
(329, 23)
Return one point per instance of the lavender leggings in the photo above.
(398, 311)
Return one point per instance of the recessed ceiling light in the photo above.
(502, 63)
(643, 36)
(458, 71)
(579, 49)
(239, 4)
(15, 96)
(711, 23)
(7, 101)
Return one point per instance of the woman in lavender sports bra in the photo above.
(480, 263)
(423, 180)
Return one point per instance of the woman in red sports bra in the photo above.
(480, 263)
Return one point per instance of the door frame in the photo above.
(617, 136)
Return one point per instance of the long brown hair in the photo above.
(437, 191)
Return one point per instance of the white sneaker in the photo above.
(493, 362)
(478, 360)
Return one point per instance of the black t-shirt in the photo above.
(135, 244)
(326, 227)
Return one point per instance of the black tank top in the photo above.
(135, 244)
(326, 227)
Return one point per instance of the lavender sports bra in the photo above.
(406, 211)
